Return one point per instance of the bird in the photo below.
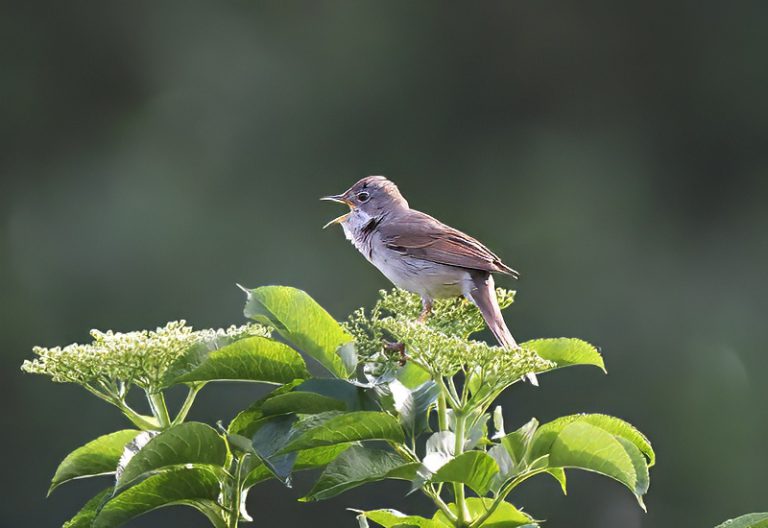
(420, 254)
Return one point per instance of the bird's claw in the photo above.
(397, 346)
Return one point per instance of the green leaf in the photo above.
(301, 402)
(303, 322)
(584, 446)
(307, 459)
(178, 486)
(267, 441)
(518, 442)
(357, 466)
(254, 358)
(476, 469)
(566, 352)
(547, 432)
(412, 404)
(395, 519)
(97, 457)
(559, 475)
(247, 421)
(84, 518)
(505, 516)
(750, 520)
(355, 398)
(187, 443)
(337, 428)
(411, 375)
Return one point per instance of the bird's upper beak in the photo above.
(340, 198)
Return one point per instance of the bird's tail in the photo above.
(483, 295)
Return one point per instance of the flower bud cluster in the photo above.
(141, 357)
(441, 344)
(446, 355)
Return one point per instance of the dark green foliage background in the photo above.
(153, 154)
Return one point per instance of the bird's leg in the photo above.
(398, 346)
(426, 310)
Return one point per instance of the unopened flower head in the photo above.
(142, 357)
(456, 316)
(446, 355)
(442, 344)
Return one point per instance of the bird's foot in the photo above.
(427, 309)
(397, 346)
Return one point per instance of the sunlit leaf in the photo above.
(584, 446)
(97, 457)
(254, 358)
(476, 469)
(302, 322)
(505, 516)
(179, 486)
(565, 352)
(187, 443)
(750, 520)
(395, 519)
(84, 518)
(615, 426)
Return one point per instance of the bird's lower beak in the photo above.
(340, 199)
(337, 220)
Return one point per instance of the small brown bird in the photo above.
(420, 254)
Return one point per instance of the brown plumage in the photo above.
(420, 254)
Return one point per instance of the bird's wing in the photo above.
(420, 236)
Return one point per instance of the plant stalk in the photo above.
(159, 409)
(188, 401)
(458, 488)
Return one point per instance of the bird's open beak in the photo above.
(340, 199)
(336, 198)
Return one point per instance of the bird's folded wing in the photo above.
(418, 235)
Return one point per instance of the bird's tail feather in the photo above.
(483, 295)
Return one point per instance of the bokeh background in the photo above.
(153, 154)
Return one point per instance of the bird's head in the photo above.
(372, 197)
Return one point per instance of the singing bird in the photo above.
(420, 254)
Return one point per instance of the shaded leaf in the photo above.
(306, 459)
(254, 358)
(187, 443)
(359, 465)
(355, 398)
(301, 402)
(267, 441)
(97, 457)
(336, 428)
(247, 420)
(302, 322)
(178, 486)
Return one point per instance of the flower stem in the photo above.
(188, 401)
(159, 409)
(458, 488)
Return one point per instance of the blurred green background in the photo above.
(153, 154)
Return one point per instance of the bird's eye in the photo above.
(363, 197)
